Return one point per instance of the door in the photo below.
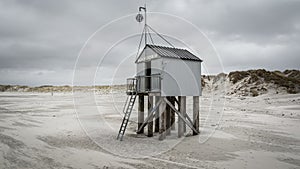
(148, 76)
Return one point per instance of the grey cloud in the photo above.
(41, 39)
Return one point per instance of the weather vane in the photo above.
(139, 18)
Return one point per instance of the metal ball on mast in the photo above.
(148, 29)
(139, 18)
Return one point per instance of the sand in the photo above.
(38, 130)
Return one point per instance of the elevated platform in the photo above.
(144, 85)
(150, 93)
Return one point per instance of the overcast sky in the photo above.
(40, 40)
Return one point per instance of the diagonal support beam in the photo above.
(176, 101)
(189, 119)
(150, 115)
(179, 115)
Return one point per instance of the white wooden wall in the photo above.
(179, 77)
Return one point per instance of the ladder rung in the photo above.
(126, 117)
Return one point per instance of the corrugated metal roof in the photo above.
(174, 53)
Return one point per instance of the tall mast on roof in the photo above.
(147, 29)
(139, 18)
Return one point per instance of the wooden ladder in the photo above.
(126, 116)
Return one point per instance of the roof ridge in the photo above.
(173, 52)
(167, 47)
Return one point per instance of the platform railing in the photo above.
(131, 85)
(144, 84)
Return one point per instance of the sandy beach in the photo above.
(38, 130)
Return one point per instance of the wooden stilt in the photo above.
(140, 114)
(150, 120)
(183, 110)
(155, 108)
(196, 114)
(187, 122)
(168, 118)
(162, 127)
(172, 113)
(180, 121)
(156, 127)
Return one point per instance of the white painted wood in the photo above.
(179, 77)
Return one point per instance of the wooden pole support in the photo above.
(140, 113)
(180, 121)
(150, 115)
(196, 114)
(183, 111)
(156, 127)
(172, 113)
(181, 116)
(162, 127)
(168, 118)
